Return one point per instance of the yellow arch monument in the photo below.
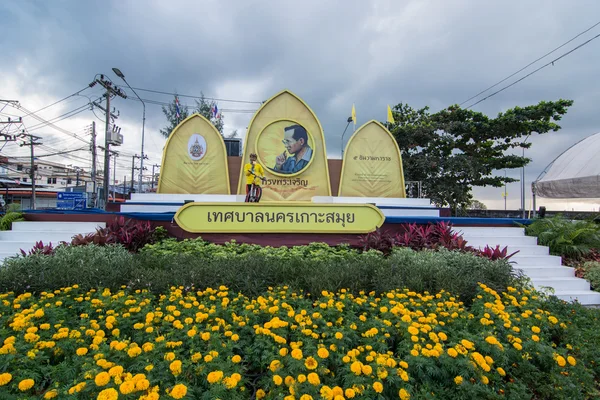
(194, 159)
(372, 165)
(288, 140)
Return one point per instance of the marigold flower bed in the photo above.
(217, 344)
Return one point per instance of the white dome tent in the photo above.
(574, 174)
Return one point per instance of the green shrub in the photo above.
(89, 266)
(591, 272)
(252, 269)
(566, 238)
(9, 218)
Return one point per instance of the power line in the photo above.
(534, 71)
(531, 63)
(63, 99)
(162, 103)
(196, 97)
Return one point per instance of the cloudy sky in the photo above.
(331, 53)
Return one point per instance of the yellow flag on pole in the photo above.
(390, 116)
(353, 115)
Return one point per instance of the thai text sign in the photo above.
(278, 218)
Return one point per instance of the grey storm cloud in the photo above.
(332, 54)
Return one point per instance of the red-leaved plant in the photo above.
(131, 234)
(431, 236)
(40, 248)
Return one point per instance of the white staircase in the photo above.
(544, 270)
(24, 235)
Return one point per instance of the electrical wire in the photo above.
(193, 97)
(162, 103)
(534, 71)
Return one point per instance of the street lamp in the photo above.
(523, 179)
(347, 125)
(118, 72)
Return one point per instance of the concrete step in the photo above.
(545, 261)
(481, 231)
(529, 250)
(52, 226)
(561, 283)
(542, 271)
(45, 236)
(585, 297)
(477, 241)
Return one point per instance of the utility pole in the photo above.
(153, 176)
(111, 90)
(115, 155)
(124, 185)
(93, 149)
(133, 169)
(33, 141)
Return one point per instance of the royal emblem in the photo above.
(197, 147)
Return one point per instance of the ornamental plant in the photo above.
(215, 343)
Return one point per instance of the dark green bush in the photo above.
(253, 269)
(8, 218)
(591, 271)
(566, 238)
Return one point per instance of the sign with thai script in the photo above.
(280, 217)
(372, 164)
(71, 200)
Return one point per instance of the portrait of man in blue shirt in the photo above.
(295, 140)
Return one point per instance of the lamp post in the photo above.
(118, 72)
(347, 125)
(523, 180)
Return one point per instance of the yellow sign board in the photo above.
(278, 217)
(194, 159)
(372, 165)
(288, 139)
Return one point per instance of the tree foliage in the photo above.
(203, 107)
(452, 150)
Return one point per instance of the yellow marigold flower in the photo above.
(301, 378)
(306, 397)
(102, 379)
(275, 365)
(553, 320)
(51, 394)
(313, 379)
(170, 356)
(414, 353)
(235, 337)
(175, 367)
(149, 367)
(571, 361)
(205, 336)
(134, 352)
(127, 387)
(458, 380)
(179, 391)
(378, 387)
(452, 353)
(278, 380)
(82, 351)
(535, 338)
(311, 363)
(339, 335)
(108, 394)
(208, 358)
(413, 331)
(403, 394)
(115, 371)
(367, 370)
(535, 329)
(283, 351)
(142, 385)
(5, 378)
(501, 371)
(560, 360)
(26, 384)
(403, 364)
(356, 367)
(215, 377)
(297, 354)
(323, 352)
(350, 393)
(442, 336)
(260, 394)
(236, 359)
(517, 346)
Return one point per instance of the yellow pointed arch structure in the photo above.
(305, 172)
(194, 159)
(372, 165)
